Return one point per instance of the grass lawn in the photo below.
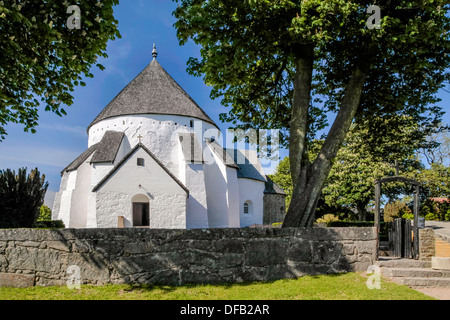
(349, 286)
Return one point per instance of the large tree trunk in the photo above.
(300, 107)
(361, 210)
(309, 178)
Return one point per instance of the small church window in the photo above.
(248, 207)
(140, 162)
(192, 123)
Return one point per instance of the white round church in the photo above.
(153, 161)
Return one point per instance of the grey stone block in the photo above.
(14, 280)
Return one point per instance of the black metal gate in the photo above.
(401, 247)
(401, 237)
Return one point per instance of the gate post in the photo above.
(416, 221)
(377, 214)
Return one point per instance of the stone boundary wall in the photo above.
(143, 256)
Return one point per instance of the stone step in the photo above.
(389, 262)
(415, 273)
(423, 282)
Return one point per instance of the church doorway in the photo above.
(141, 211)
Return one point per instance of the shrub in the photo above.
(44, 213)
(21, 196)
(49, 224)
(327, 218)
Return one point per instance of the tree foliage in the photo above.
(45, 213)
(350, 184)
(436, 181)
(282, 177)
(21, 197)
(359, 163)
(42, 60)
(288, 64)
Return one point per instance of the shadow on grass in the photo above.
(166, 288)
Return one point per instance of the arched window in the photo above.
(248, 207)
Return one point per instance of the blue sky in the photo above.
(59, 141)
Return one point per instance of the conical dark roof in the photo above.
(153, 91)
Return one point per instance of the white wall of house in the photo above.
(159, 134)
(197, 207)
(233, 198)
(91, 219)
(124, 148)
(57, 203)
(68, 185)
(79, 205)
(217, 185)
(252, 191)
(99, 171)
(167, 197)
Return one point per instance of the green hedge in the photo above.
(49, 224)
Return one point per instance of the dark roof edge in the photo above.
(273, 188)
(132, 151)
(213, 146)
(87, 153)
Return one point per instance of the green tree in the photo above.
(282, 177)
(288, 64)
(21, 197)
(45, 213)
(42, 59)
(359, 163)
(350, 184)
(436, 180)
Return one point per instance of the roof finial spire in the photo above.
(154, 52)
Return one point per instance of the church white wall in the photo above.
(57, 202)
(79, 205)
(124, 148)
(159, 134)
(66, 197)
(167, 198)
(233, 198)
(91, 218)
(197, 213)
(71, 180)
(216, 187)
(99, 171)
(251, 190)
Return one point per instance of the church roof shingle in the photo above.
(104, 152)
(108, 147)
(153, 91)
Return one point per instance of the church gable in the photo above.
(140, 164)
